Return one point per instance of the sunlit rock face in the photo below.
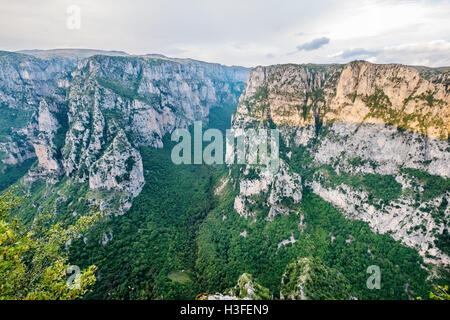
(385, 122)
(358, 92)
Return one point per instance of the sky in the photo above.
(237, 32)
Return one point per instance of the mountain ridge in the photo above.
(370, 191)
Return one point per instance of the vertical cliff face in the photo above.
(118, 104)
(26, 79)
(358, 92)
(393, 94)
(370, 139)
(86, 116)
(45, 129)
(288, 94)
(24, 82)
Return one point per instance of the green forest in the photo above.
(180, 238)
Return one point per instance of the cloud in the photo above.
(314, 44)
(201, 29)
(431, 53)
(357, 53)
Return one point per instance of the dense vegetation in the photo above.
(347, 246)
(152, 253)
(308, 278)
(432, 185)
(33, 263)
(180, 238)
(11, 173)
(12, 119)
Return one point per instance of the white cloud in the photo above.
(238, 32)
(432, 53)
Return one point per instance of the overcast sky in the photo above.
(239, 32)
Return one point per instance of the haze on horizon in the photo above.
(247, 33)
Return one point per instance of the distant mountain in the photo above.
(71, 53)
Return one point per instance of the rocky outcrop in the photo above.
(380, 148)
(118, 104)
(271, 189)
(299, 95)
(24, 82)
(44, 127)
(356, 120)
(309, 279)
(245, 289)
(86, 113)
(119, 169)
(287, 94)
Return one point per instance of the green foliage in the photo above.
(261, 94)
(33, 264)
(223, 254)
(309, 278)
(156, 239)
(129, 91)
(379, 104)
(399, 265)
(440, 293)
(301, 162)
(433, 185)
(429, 98)
(246, 283)
(317, 95)
(12, 119)
(381, 188)
(10, 174)
(64, 199)
(381, 107)
(220, 117)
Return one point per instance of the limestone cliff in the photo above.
(118, 104)
(357, 92)
(370, 139)
(85, 113)
(44, 128)
(24, 82)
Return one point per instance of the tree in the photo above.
(440, 293)
(33, 263)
